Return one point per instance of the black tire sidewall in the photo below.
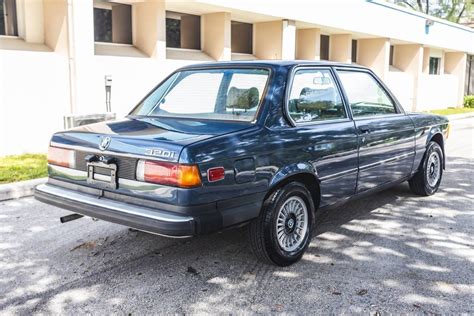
(276, 254)
(432, 147)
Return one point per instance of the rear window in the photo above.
(218, 94)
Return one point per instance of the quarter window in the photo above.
(366, 96)
(314, 97)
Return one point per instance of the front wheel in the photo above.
(282, 232)
(428, 177)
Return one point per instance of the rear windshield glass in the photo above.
(218, 94)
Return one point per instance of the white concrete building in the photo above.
(57, 55)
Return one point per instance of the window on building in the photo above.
(314, 97)
(112, 22)
(183, 30)
(366, 96)
(324, 48)
(241, 37)
(8, 22)
(354, 51)
(435, 63)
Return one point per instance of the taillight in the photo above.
(168, 173)
(61, 157)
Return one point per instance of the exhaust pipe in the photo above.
(68, 218)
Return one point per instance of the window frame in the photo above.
(289, 86)
(258, 113)
(400, 111)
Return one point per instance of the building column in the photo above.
(275, 39)
(30, 20)
(216, 35)
(308, 44)
(374, 53)
(55, 31)
(409, 59)
(288, 40)
(149, 28)
(80, 30)
(455, 64)
(340, 48)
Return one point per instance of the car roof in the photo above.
(272, 64)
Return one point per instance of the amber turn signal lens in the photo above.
(168, 173)
(188, 176)
(61, 157)
(448, 130)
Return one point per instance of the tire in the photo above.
(427, 179)
(287, 212)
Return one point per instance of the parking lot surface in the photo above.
(393, 252)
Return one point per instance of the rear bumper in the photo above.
(139, 217)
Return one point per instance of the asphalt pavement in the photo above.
(393, 252)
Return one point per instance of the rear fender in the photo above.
(292, 170)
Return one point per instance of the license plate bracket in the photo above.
(100, 180)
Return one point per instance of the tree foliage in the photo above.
(451, 10)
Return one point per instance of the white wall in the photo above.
(132, 79)
(34, 97)
(402, 86)
(437, 92)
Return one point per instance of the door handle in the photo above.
(364, 129)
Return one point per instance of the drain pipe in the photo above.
(71, 57)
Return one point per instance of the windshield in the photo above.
(218, 94)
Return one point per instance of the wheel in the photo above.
(282, 231)
(427, 179)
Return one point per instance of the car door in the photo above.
(324, 130)
(386, 135)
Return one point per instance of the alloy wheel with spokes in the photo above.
(427, 179)
(292, 223)
(433, 170)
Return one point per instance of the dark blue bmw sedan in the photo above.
(263, 144)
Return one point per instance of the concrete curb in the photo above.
(455, 117)
(20, 189)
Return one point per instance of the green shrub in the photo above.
(469, 101)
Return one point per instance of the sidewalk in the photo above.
(20, 189)
(455, 117)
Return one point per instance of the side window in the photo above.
(314, 97)
(366, 96)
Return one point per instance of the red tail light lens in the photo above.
(215, 174)
(61, 157)
(168, 173)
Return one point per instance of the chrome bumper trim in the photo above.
(108, 204)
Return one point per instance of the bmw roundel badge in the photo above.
(104, 143)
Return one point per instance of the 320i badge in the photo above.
(262, 144)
